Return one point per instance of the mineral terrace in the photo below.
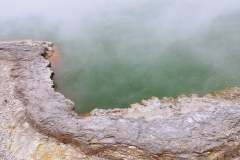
(39, 123)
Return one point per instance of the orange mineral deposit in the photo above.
(55, 59)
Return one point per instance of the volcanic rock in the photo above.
(39, 123)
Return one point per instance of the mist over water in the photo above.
(119, 52)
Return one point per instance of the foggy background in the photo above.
(119, 52)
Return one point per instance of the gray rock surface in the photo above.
(182, 128)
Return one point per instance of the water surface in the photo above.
(118, 52)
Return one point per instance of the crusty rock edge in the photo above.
(187, 127)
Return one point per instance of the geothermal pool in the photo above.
(118, 53)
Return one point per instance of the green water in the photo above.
(117, 56)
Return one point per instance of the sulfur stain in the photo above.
(48, 151)
(215, 156)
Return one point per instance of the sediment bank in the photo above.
(40, 123)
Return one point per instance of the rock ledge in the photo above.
(39, 123)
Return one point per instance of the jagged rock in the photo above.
(39, 123)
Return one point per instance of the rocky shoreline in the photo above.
(40, 123)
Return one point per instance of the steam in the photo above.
(119, 52)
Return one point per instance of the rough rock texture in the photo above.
(18, 139)
(39, 123)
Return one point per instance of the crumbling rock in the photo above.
(40, 123)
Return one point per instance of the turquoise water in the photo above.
(117, 54)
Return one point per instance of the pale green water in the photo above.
(118, 55)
